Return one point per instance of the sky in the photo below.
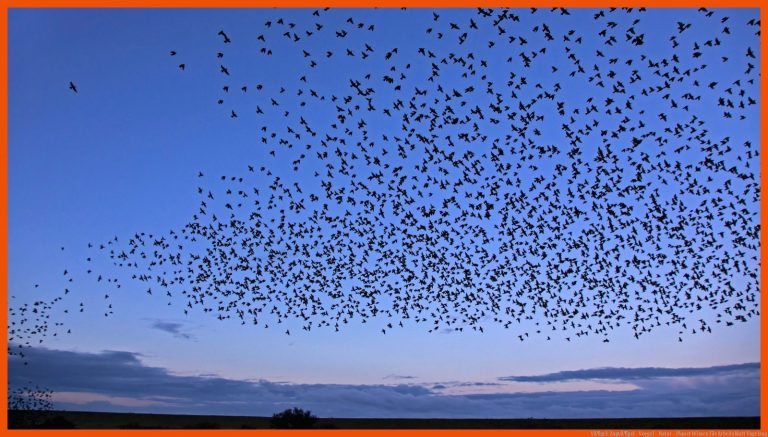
(123, 155)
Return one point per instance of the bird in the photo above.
(459, 198)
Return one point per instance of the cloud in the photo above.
(174, 328)
(88, 398)
(399, 377)
(477, 384)
(119, 381)
(633, 373)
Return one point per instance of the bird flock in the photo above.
(503, 166)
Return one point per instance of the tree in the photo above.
(294, 418)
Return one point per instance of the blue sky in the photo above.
(122, 156)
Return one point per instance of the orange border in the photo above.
(763, 271)
(375, 3)
(4, 220)
(338, 4)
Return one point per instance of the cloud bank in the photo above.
(118, 381)
(634, 373)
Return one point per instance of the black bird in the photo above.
(455, 223)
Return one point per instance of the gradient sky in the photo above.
(122, 156)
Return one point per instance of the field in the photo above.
(95, 420)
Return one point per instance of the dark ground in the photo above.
(93, 420)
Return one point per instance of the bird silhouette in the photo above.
(597, 184)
